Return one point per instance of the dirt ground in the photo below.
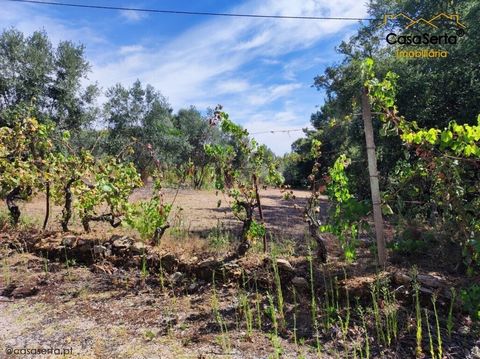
(104, 295)
(197, 211)
(95, 318)
(99, 315)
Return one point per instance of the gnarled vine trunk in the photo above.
(47, 205)
(247, 223)
(67, 209)
(159, 232)
(12, 196)
(260, 211)
(321, 248)
(314, 223)
(109, 217)
(198, 177)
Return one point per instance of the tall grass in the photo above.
(437, 326)
(418, 315)
(450, 312)
(278, 291)
(313, 303)
(7, 277)
(224, 336)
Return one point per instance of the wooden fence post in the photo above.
(372, 170)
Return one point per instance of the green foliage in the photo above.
(256, 230)
(471, 300)
(107, 187)
(195, 132)
(49, 78)
(147, 216)
(141, 116)
(461, 140)
(441, 175)
(33, 72)
(408, 247)
(219, 238)
(240, 165)
(411, 242)
(346, 212)
(24, 163)
(433, 92)
(65, 167)
(22, 151)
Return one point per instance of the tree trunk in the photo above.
(12, 206)
(47, 205)
(198, 177)
(245, 245)
(67, 209)
(159, 232)
(109, 217)
(321, 248)
(86, 223)
(260, 211)
(372, 170)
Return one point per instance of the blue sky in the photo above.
(260, 70)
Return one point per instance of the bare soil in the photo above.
(166, 301)
(196, 211)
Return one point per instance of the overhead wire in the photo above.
(182, 12)
(275, 131)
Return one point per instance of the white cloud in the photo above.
(220, 60)
(124, 50)
(133, 16)
(188, 67)
(255, 41)
(29, 18)
(232, 86)
(266, 95)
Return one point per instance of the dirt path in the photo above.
(90, 316)
(196, 211)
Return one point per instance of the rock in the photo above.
(427, 280)
(176, 277)
(150, 301)
(169, 262)
(83, 247)
(121, 243)
(284, 265)
(205, 269)
(300, 283)
(432, 281)
(209, 263)
(12, 291)
(69, 241)
(234, 270)
(8, 290)
(192, 288)
(99, 250)
(138, 248)
(401, 278)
